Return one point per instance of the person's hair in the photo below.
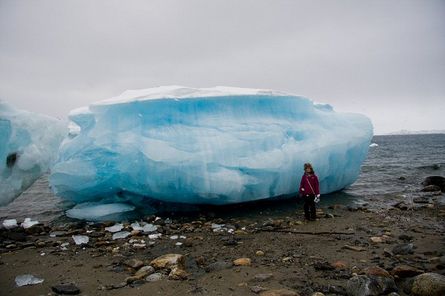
(308, 165)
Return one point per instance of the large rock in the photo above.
(431, 188)
(429, 284)
(435, 180)
(168, 261)
(363, 285)
(405, 271)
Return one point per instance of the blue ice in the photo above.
(29, 144)
(215, 146)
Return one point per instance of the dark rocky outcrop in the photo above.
(435, 180)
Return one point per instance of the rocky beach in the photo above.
(349, 250)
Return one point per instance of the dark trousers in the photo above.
(309, 207)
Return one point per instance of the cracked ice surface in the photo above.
(206, 146)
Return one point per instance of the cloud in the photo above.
(381, 58)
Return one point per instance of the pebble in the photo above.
(340, 265)
(242, 262)
(403, 249)
(262, 277)
(259, 253)
(168, 260)
(279, 292)
(134, 263)
(376, 240)
(376, 271)
(257, 289)
(177, 273)
(66, 289)
(154, 277)
(354, 248)
(145, 271)
(405, 271)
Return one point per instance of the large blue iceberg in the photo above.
(29, 144)
(206, 146)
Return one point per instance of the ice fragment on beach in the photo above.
(217, 145)
(374, 145)
(154, 236)
(97, 211)
(121, 235)
(145, 227)
(27, 279)
(218, 227)
(10, 223)
(115, 228)
(29, 223)
(149, 228)
(136, 226)
(28, 147)
(80, 239)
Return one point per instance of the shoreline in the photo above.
(334, 255)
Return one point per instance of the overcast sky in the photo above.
(385, 59)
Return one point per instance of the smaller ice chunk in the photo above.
(174, 237)
(121, 235)
(374, 145)
(145, 227)
(80, 239)
(149, 228)
(154, 236)
(29, 223)
(218, 227)
(115, 228)
(27, 279)
(10, 223)
(136, 226)
(96, 211)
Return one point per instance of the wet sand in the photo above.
(285, 252)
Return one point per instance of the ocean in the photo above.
(392, 171)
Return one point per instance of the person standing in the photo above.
(310, 191)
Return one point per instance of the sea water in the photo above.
(394, 168)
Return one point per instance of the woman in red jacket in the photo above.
(310, 191)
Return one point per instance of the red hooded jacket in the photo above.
(309, 185)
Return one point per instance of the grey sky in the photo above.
(385, 59)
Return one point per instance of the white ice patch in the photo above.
(27, 279)
(80, 239)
